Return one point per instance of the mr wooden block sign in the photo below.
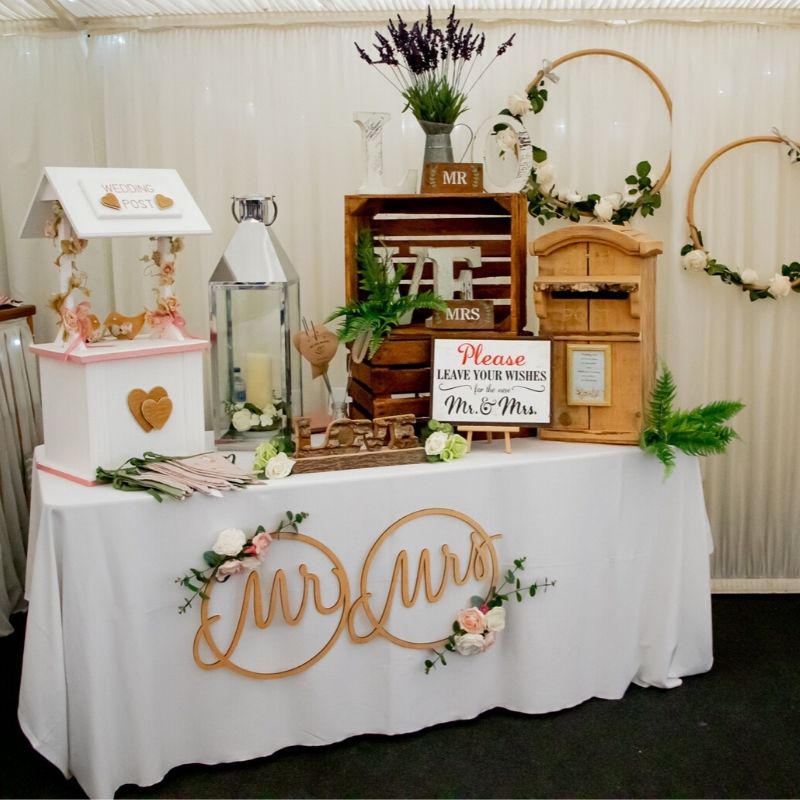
(443, 178)
(491, 381)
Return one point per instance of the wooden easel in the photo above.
(506, 430)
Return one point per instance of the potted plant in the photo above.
(367, 322)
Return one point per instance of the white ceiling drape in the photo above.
(257, 109)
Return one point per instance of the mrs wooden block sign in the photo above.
(464, 315)
(453, 178)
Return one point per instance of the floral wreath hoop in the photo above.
(696, 257)
(640, 195)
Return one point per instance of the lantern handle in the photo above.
(275, 210)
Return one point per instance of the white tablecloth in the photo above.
(111, 694)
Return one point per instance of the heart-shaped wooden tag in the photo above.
(317, 346)
(110, 200)
(136, 401)
(162, 201)
(157, 412)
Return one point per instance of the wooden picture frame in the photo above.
(490, 381)
(588, 374)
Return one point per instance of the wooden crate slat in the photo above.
(370, 205)
(441, 226)
(393, 380)
(491, 248)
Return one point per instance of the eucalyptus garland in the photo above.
(545, 200)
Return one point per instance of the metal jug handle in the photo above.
(468, 148)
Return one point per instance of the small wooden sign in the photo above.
(443, 178)
(475, 315)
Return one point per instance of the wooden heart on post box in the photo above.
(150, 409)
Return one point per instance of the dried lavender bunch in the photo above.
(431, 67)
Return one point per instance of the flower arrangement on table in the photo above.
(546, 200)
(233, 552)
(271, 460)
(431, 67)
(246, 417)
(475, 628)
(441, 442)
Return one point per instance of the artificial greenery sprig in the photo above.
(369, 321)
(197, 581)
(511, 587)
(698, 432)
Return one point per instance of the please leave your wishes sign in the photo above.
(491, 381)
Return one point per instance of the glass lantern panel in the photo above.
(255, 369)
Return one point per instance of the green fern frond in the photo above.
(662, 399)
(384, 306)
(698, 432)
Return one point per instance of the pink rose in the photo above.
(69, 319)
(261, 542)
(230, 567)
(471, 620)
(488, 640)
(484, 608)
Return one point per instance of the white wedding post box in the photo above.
(100, 408)
(106, 397)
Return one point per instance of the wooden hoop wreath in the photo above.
(712, 267)
(544, 206)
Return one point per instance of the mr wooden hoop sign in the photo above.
(491, 381)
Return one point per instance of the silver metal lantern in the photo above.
(254, 299)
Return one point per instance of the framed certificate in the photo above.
(588, 375)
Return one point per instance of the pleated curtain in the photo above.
(267, 110)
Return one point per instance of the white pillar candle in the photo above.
(258, 379)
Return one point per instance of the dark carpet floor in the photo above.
(734, 732)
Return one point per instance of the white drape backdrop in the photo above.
(270, 111)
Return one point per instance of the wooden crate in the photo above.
(596, 286)
(496, 223)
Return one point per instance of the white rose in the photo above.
(749, 276)
(518, 105)
(570, 196)
(250, 563)
(695, 260)
(435, 443)
(265, 420)
(469, 644)
(269, 410)
(603, 210)
(614, 199)
(255, 420)
(779, 285)
(238, 406)
(278, 466)
(507, 139)
(545, 176)
(496, 618)
(230, 542)
(241, 420)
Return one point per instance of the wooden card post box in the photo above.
(595, 296)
